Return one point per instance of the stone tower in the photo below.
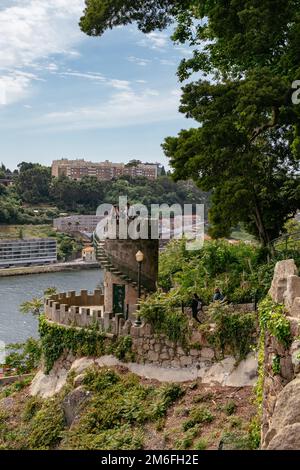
(117, 257)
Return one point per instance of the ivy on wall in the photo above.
(55, 339)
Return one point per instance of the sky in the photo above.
(66, 95)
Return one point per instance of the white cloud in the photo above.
(125, 108)
(155, 40)
(31, 31)
(167, 62)
(89, 76)
(14, 86)
(139, 61)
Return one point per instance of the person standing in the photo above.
(197, 306)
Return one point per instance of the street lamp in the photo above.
(139, 259)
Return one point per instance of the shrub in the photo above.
(161, 310)
(31, 407)
(46, 426)
(201, 444)
(230, 408)
(198, 415)
(232, 329)
(24, 357)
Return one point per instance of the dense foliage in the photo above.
(162, 312)
(234, 332)
(34, 186)
(239, 270)
(246, 148)
(23, 358)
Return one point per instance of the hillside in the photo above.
(113, 409)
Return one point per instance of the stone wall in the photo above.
(131, 293)
(122, 254)
(85, 309)
(151, 348)
(82, 309)
(279, 413)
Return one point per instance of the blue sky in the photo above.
(63, 94)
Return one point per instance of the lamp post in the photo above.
(139, 259)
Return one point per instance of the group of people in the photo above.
(197, 303)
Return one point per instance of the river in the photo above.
(16, 327)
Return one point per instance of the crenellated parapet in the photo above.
(71, 309)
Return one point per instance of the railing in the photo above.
(132, 276)
(288, 243)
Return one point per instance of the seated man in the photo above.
(218, 296)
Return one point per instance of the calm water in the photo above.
(16, 327)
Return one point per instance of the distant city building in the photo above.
(77, 223)
(104, 171)
(6, 181)
(20, 252)
(89, 254)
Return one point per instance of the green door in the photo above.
(118, 298)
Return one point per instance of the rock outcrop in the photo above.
(281, 401)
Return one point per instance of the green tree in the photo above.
(33, 183)
(247, 146)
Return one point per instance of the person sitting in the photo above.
(197, 306)
(218, 296)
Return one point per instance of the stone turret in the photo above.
(117, 257)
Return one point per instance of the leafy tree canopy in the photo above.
(247, 146)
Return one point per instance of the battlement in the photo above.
(69, 308)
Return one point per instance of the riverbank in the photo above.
(51, 268)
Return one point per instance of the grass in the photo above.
(28, 231)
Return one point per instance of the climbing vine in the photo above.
(233, 330)
(272, 318)
(55, 339)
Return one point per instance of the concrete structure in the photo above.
(28, 252)
(104, 171)
(77, 223)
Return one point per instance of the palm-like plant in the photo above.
(35, 305)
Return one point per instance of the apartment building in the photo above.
(77, 223)
(38, 251)
(104, 171)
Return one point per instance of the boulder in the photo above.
(292, 291)
(73, 403)
(295, 310)
(287, 408)
(79, 380)
(288, 438)
(46, 386)
(80, 365)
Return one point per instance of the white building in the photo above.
(38, 251)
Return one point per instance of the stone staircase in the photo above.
(109, 264)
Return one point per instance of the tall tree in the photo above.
(247, 147)
(33, 183)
